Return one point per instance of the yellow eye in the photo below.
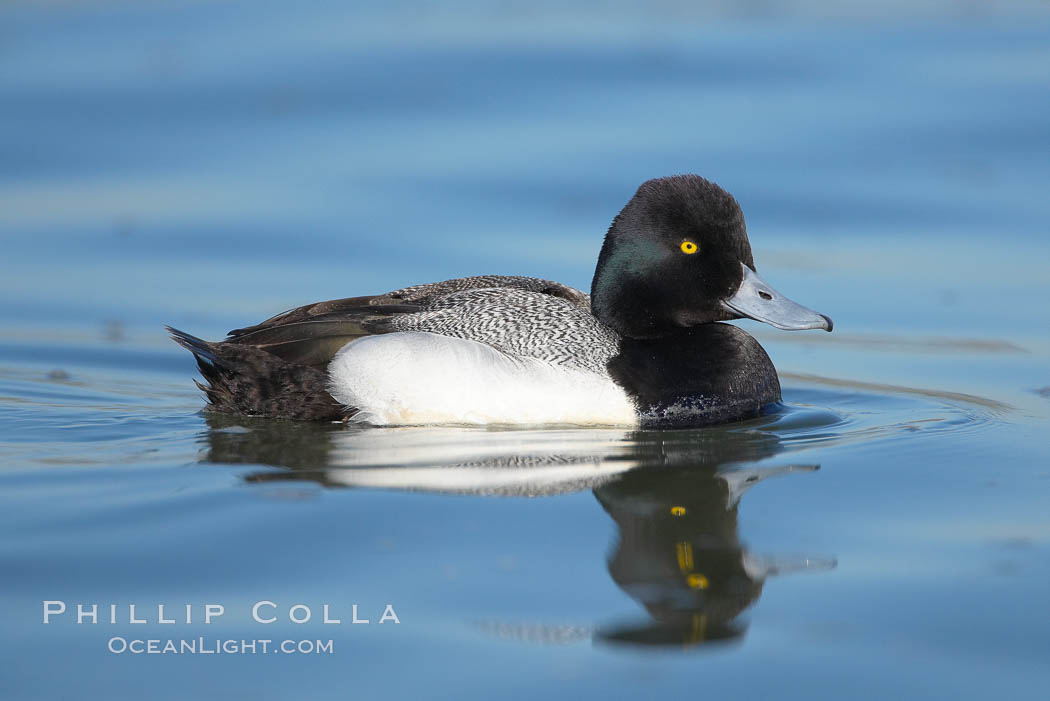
(689, 248)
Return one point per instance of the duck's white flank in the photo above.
(413, 378)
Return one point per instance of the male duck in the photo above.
(644, 348)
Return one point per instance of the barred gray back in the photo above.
(523, 322)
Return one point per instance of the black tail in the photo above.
(247, 380)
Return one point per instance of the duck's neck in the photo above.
(628, 310)
(704, 375)
(624, 300)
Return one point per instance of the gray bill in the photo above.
(756, 299)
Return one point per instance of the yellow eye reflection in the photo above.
(689, 247)
(697, 581)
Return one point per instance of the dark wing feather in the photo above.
(313, 339)
(306, 312)
(420, 296)
(312, 334)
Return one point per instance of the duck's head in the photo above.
(677, 256)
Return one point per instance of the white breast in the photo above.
(413, 378)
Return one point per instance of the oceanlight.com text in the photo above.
(216, 646)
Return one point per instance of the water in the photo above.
(209, 164)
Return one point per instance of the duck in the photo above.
(648, 347)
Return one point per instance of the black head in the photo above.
(670, 257)
(677, 256)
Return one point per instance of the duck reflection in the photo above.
(679, 553)
(447, 460)
(674, 496)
